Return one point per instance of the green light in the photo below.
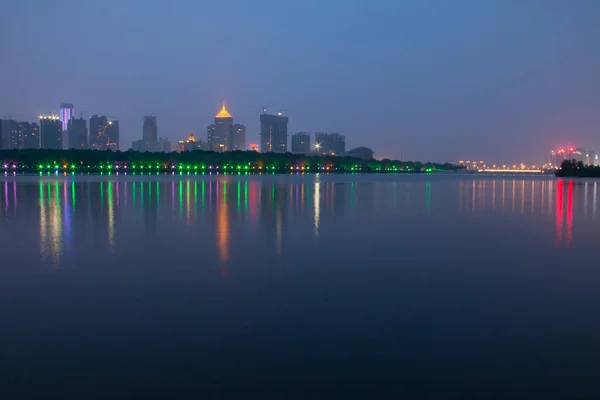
(40, 166)
(239, 194)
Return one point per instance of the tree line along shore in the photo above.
(205, 161)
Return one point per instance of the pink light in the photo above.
(125, 166)
(210, 167)
(5, 166)
(14, 166)
(172, 167)
(116, 166)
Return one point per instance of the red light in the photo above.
(571, 149)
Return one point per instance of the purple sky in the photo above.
(438, 80)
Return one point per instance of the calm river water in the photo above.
(299, 286)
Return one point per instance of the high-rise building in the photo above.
(150, 130)
(78, 133)
(220, 134)
(98, 132)
(31, 135)
(211, 136)
(330, 143)
(273, 133)
(301, 143)
(11, 135)
(590, 157)
(66, 113)
(239, 137)
(51, 132)
(112, 133)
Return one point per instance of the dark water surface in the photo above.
(299, 287)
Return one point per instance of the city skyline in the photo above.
(413, 80)
(23, 132)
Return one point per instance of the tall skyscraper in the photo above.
(211, 136)
(112, 133)
(31, 135)
(66, 113)
(10, 135)
(238, 142)
(51, 132)
(219, 136)
(273, 133)
(150, 130)
(301, 143)
(99, 132)
(330, 143)
(78, 133)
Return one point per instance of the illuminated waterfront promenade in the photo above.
(89, 161)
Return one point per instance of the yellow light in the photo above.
(510, 170)
(223, 113)
(110, 122)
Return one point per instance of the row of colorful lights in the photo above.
(201, 167)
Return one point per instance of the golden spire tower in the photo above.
(223, 113)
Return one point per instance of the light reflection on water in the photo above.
(253, 202)
(254, 282)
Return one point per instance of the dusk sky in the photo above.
(431, 80)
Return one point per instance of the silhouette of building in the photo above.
(78, 133)
(163, 145)
(363, 153)
(191, 144)
(112, 133)
(98, 132)
(140, 145)
(254, 147)
(220, 134)
(31, 135)
(51, 132)
(239, 137)
(301, 143)
(150, 130)
(11, 136)
(330, 143)
(273, 133)
(211, 136)
(66, 113)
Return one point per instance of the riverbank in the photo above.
(29, 161)
(576, 169)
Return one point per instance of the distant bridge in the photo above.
(512, 171)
